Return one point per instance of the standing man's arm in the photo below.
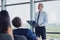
(45, 20)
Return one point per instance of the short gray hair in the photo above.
(40, 4)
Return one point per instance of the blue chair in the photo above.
(25, 32)
(19, 37)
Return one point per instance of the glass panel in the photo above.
(53, 10)
(53, 36)
(46, 0)
(22, 11)
(0, 2)
(16, 1)
(0, 8)
(37, 0)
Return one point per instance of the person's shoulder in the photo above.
(28, 29)
(44, 12)
(15, 29)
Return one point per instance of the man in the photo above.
(22, 31)
(41, 19)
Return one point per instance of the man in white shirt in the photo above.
(41, 19)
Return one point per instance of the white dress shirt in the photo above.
(42, 18)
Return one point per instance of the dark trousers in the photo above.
(40, 31)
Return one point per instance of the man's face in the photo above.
(40, 7)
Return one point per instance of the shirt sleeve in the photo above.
(45, 20)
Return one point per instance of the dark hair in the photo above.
(4, 21)
(16, 22)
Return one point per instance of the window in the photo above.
(0, 8)
(53, 36)
(0, 2)
(53, 10)
(37, 0)
(22, 11)
(16, 1)
(46, 0)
